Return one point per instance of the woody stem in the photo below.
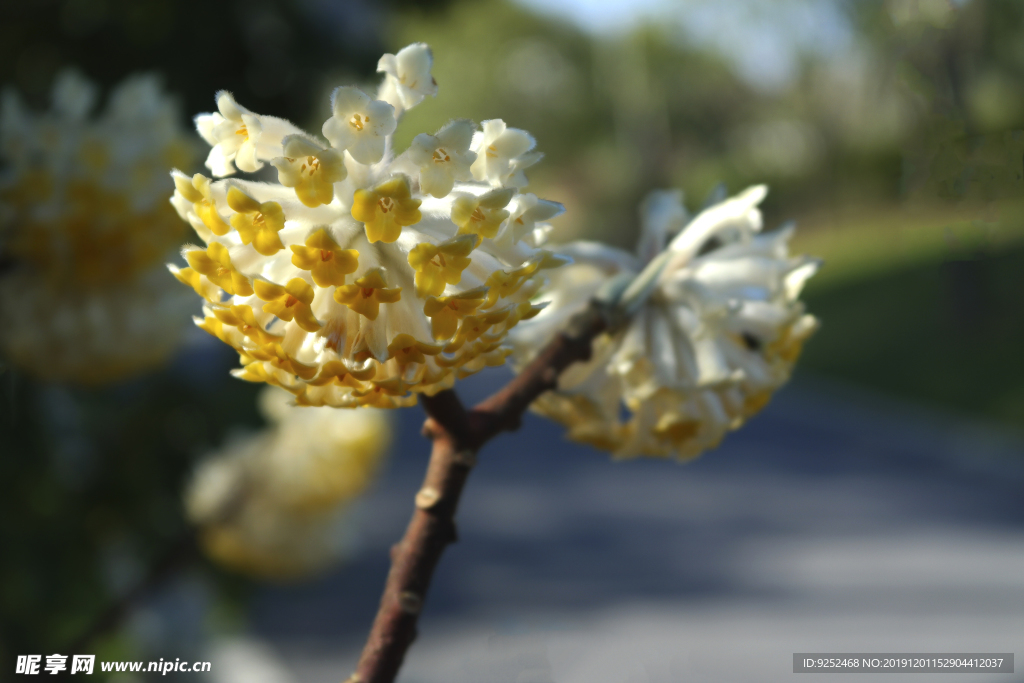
(457, 435)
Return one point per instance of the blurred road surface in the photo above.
(833, 522)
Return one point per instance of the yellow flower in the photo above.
(406, 349)
(502, 284)
(390, 394)
(243, 318)
(337, 372)
(290, 302)
(226, 333)
(215, 264)
(275, 354)
(322, 256)
(474, 326)
(310, 169)
(270, 504)
(367, 294)
(385, 209)
(392, 388)
(482, 215)
(256, 222)
(197, 191)
(202, 286)
(85, 227)
(445, 312)
(439, 264)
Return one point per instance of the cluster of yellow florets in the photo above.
(362, 278)
(276, 504)
(84, 229)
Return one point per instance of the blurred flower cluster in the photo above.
(276, 504)
(84, 228)
(363, 277)
(719, 330)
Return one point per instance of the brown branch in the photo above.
(457, 436)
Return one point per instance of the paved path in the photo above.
(832, 522)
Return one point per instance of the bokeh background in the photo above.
(890, 131)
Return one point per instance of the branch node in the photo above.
(430, 430)
(410, 602)
(427, 497)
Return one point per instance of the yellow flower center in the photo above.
(312, 163)
(441, 156)
(243, 131)
(357, 121)
(386, 204)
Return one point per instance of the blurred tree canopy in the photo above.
(272, 54)
(898, 112)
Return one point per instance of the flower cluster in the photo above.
(362, 277)
(276, 503)
(719, 331)
(85, 228)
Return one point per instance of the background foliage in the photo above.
(898, 151)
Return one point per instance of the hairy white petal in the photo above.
(719, 332)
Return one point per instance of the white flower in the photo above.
(443, 158)
(718, 334)
(408, 79)
(275, 504)
(73, 95)
(358, 287)
(525, 214)
(239, 137)
(502, 154)
(359, 125)
(84, 227)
